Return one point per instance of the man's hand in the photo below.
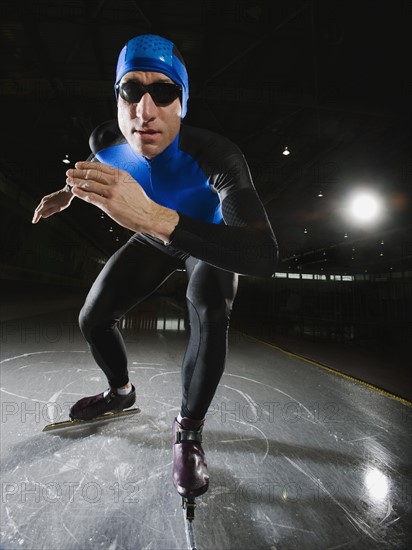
(50, 204)
(120, 196)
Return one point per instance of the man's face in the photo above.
(148, 128)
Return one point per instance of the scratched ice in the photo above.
(298, 457)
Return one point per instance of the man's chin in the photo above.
(145, 149)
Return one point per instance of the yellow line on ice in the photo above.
(334, 371)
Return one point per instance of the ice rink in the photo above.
(299, 457)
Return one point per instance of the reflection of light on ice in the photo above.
(377, 484)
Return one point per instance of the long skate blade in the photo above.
(189, 505)
(190, 536)
(106, 417)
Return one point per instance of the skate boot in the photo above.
(190, 475)
(95, 405)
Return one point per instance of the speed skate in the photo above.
(101, 419)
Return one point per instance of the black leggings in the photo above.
(130, 276)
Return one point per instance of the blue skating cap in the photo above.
(149, 52)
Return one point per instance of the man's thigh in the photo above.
(132, 273)
(209, 285)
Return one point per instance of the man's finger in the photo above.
(89, 186)
(99, 166)
(76, 176)
(44, 213)
(93, 198)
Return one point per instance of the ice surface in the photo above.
(299, 458)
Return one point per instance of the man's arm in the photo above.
(244, 244)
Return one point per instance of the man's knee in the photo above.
(85, 321)
(213, 314)
(91, 321)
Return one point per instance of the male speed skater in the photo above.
(188, 196)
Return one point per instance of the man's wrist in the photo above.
(165, 221)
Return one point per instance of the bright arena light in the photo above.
(365, 207)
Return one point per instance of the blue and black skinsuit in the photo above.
(223, 231)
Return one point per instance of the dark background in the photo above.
(330, 80)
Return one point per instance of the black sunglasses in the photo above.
(162, 93)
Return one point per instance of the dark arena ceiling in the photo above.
(329, 80)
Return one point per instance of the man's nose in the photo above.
(146, 109)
